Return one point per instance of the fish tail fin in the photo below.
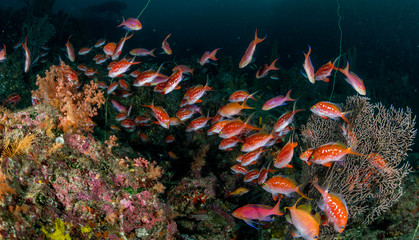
(301, 193)
(326, 80)
(344, 116)
(346, 69)
(244, 105)
(289, 97)
(167, 37)
(272, 66)
(212, 54)
(152, 52)
(251, 95)
(352, 148)
(317, 186)
(122, 23)
(276, 210)
(334, 63)
(258, 40)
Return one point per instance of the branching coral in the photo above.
(371, 183)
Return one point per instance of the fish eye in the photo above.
(311, 156)
(315, 237)
(304, 156)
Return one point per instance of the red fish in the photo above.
(112, 87)
(131, 24)
(207, 56)
(282, 185)
(331, 152)
(187, 111)
(256, 141)
(185, 69)
(240, 96)
(325, 71)
(100, 42)
(109, 49)
(166, 47)
(217, 127)
(277, 101)
(229, 143)
(263, 71)
(121, 67)
(284, 157)
(173, 81)
(307, 225)
(248, 55)
(285, 119)
(3, 53)
(379, 162)
(250, 158)
(251, 212)
(329, 110)
(252, 175)
(146, 77)
(27, 55)
(169, 139)
(119, 47)
(141, 52)
(70, 50)
(195, 93)
(84, 51)
(308, 67)
(356, 82)
(334, 206)
(197, 124)
(12, 98)
(238, 169)
(306, 155)
(160, 114)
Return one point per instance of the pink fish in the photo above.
(131, 24)
(356, 82)
(325, 71)
(308, 67)
(259, 212)
(248, 55)
(27, 55)
(263, 71)
(277, 101)
(197, 124)
(84, 51)
(100, 42)
(207, 56)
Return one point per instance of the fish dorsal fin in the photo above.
(334, 144)
(305, 207)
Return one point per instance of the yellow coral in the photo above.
(59, 231)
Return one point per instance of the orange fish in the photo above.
(248, 55)
(252, 175)
(172, 155)
(238, 192)
(146, 77)
(256, 141)
(356, 82)
(229, 143)
(379, 162)
(197, 124)
(250, 158)
(28, 55)
(331, 152)
(285, 119)
(3, 53)
(166, 47)
(334, 207)
(307, 225)
(284, 157)
(259, 212)
(217, 127)
(195, 93)
(282, 185)
(70, 50)
(233, 108)
(238, 169)
(329, 110)
(236, 127)
(160, 114)
(308, 67)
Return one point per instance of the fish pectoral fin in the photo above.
(324, 117)
(267, 219)
(328, 164)
(250, 223)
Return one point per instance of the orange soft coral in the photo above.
(59, 90)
